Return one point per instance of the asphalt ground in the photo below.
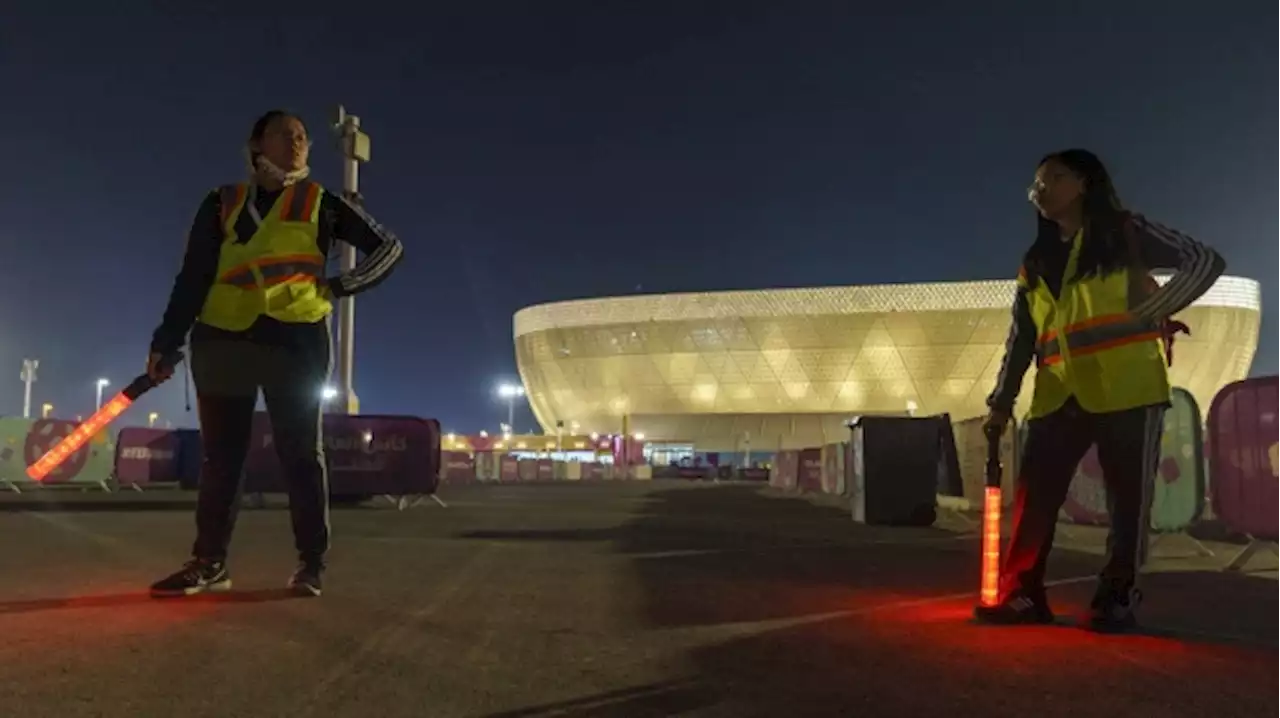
(622, 599)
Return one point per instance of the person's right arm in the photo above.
(191, 286)
(1019, 350)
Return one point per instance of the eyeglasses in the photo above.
(1035, 190)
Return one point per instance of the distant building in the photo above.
(774, 369)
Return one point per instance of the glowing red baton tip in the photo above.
(989, 594)
(74, 441)
(98, 422)
(991, 546)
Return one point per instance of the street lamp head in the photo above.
(103, 382)
(508, 391)
(329, 393)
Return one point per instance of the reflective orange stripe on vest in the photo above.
(231, 196)
(296, 203)
(1095, 335)
(299, 201)
(276, 270)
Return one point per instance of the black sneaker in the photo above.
(1112, 609)
(1020, 607)
(197, 576)
(306, 580)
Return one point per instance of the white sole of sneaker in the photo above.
(216, 587)
(304, 590)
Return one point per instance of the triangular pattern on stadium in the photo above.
(825, 351)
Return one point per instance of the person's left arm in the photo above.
(380, 248)
(1196, 267)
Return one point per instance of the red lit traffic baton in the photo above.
(96, 423)
(990, 594)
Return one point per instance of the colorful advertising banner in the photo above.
(1179, 485)
(24, 441)
(148, 456)
(1243, 458)
(366, 455)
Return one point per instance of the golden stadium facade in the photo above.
(786, 368)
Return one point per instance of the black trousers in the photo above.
(1128, 452)
(290, 367)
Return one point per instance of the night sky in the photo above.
(536, 151)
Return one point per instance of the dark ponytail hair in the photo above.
(1105, 249)
(260, 126)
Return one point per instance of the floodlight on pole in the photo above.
(102, 384)
(510, 392)
(28, 377)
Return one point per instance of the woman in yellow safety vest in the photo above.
(1085, 311)
(253, 294)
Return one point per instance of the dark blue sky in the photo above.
(528, 152)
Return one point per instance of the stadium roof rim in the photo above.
(1227, 292)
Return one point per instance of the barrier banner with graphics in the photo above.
(527, 469)
(24, 441)
(786, 471)
(458, 467)
(366, 455)
(147, 456)
(971, 455)
(593, 471)
(545, 470)
(1178, 497)
(809, 476)
(190, 457)
(486, 466)
(509, 469)
(1243, 456)
(833, 469)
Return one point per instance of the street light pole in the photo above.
(28, 375)
(355, 150)
(102, 384)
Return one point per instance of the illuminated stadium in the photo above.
(786, 368)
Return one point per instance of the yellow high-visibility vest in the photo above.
(1089, 345)
(279, 272)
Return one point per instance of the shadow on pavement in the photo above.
(663, 699)
(799, 611)
(27, 503)
(139, 598)
(130, 502)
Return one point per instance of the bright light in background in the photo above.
(510, 391)
(102, 384)
(329, 393)
(639, 437)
